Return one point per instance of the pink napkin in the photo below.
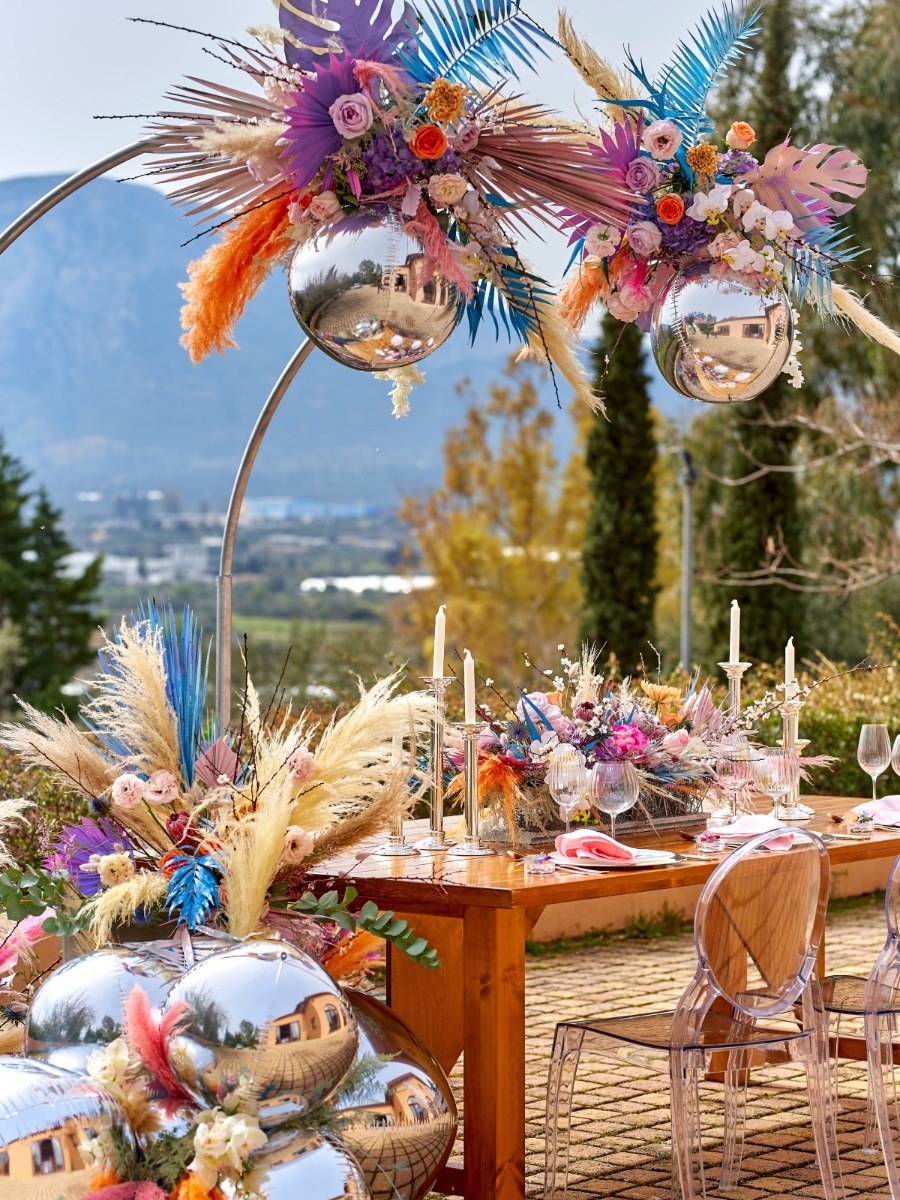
(885, 811)
(751, 825)
(593, 845)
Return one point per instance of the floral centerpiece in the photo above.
(210, 829)
(668, 734)
(761, 222)
(355, 119)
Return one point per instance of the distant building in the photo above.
(415, 280)
(758, 328)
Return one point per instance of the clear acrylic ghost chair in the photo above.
(876, 1002)
(755, 998)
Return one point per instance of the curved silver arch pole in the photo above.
(224, 582)
(41, 207)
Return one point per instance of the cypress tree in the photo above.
(620, 546)
(764, 514)
(46, 613)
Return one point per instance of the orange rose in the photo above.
(740, 136)
(670, 208)
(429, 141)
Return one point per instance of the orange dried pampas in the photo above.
(229, 274)
(581, 293)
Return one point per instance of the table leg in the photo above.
(494, 1053)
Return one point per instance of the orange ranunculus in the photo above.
(167, 864)
(740, 136)
(670, 208)
(429, 141)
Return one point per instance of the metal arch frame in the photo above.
(224, 582)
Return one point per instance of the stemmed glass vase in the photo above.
(613, 788)
(776, 773)
(567, 781)
(874, 753)
(733, 774)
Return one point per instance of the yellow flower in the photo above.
(661, 694)
(703, 159)
(446, 101)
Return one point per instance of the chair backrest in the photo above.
(760, 920)
(892, 901)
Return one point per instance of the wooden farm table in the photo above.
(478, 913)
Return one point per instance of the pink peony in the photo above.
(128, 791)
(161, 788)
(662, 139)
(626, 741)
(676, 743)
(447, 190)
(467, 137)
(644, 238)
(352, 115)
(602, 240)
(551, 713)
(298, 845)
(302, 764)
(620, 310)
(635, 296)
(324, 206)
(722, 242)
(642, 175)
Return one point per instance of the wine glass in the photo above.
(732, 772)
(613, 787)
(776, 773)
(567, 780)
(874, 753)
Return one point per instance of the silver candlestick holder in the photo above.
(396, 846)
(735, 672)
(792, 809)
(437, 839)
(470, 846)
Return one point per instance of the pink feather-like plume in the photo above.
(145, 1190)
(151, 1041)
(438, 255)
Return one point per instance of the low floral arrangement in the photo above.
(668, 734)
(764, 223)
(358, 119)
(207, 829)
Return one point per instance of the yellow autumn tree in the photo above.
(502, 535)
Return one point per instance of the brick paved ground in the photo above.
(621, 1143)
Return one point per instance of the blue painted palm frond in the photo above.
(680, 91)
(187, 675)
(809, 261)
(470, 41)
(515, 298)
(193, 894)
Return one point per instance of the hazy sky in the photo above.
(63, 62)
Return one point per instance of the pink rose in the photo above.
(662, 139)
(626, 741)
(644, 238)
(467, 137)
(722, 242)
(298, 845)
(635, 296)
(324, 206)
(352, 115)
(128, 791)
(302, 764)
(161, 788)
(642, 175)
(446, 190)
(676, 743)
(552, 713)
(620, 310)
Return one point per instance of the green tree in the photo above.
(619, 558)
(760, 519)
(47, 612)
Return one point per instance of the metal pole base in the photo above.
(435, 843)
(470, 847)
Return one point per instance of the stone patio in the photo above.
(621, 1143)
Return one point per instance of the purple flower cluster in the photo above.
(687, 235)
(389, 161)
(736, 162)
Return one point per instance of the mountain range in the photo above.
(96, 394)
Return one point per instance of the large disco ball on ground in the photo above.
(46, 1114)
(368, 300)
(401, 1122)
(79, 1008)
(266, 1026)
(308, 1165)
(716, 340)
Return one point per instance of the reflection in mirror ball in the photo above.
(266, 1026)
(46, 1114)
(367, 299)
(400, 1123)
(719, 341)
(306, 1165)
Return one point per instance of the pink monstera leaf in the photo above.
(808, 183)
